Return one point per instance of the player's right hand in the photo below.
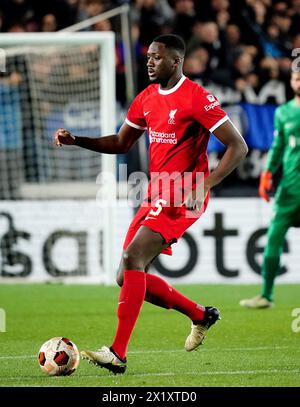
(265, 185)
(63, 136)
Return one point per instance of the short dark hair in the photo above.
(172, 41)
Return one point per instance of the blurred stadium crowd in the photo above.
(235, 43)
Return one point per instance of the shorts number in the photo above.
(158, 204)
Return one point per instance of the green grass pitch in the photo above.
(245, 348)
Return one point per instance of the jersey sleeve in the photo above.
(275, 154)
(207, 110)
(135, 115)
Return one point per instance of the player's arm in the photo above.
(274, 159)
(119, 143)
(236, 150)
(275, 154)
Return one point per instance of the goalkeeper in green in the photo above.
(285, 150)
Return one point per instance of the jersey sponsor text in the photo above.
(162, 137)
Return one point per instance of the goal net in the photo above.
(51, 81)
(48, 81)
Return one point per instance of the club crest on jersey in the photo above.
(211, 98)
(172, 116)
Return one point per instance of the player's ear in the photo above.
(177, 61)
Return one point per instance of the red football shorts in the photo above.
(170, 222)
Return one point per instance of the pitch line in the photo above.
(216, 349)
(176, 351)
(172, 374)
(211, 373)
(18, 357)
(223, 373)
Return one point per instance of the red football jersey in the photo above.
(178, 122)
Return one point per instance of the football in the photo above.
(58, 357)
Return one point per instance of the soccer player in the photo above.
(178, 115)
(285, 150)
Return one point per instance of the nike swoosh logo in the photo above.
(145, 113)
(149, 217)
(121, 302)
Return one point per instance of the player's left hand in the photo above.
(195, 199)
(265, 185)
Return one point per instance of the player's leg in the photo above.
(145, 245)
(162, 294)
(172, 224)
(271, 261)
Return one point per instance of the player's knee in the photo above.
(132, 259)
(274, 246)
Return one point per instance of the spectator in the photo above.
(196, 63)
(16, 28)
(94, 7)
(15, 13)
(77, 12)
(220, 9)
(49, 23)
(280, 6)
(283, 22)
(103, 25)
(1, 20)
(232, 41)
(242, 72)
(151, 16)
(59, 8)
(295, 14)
(268, 69)
(185, 17)
(207, 35)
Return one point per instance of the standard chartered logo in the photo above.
(2, 320)
(162, 137)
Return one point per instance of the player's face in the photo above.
(295, 83)
(161, 63)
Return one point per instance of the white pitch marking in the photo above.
(207, 373)
(179, 351)
(225, 372)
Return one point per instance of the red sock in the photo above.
(160, 293)
(130, 302)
